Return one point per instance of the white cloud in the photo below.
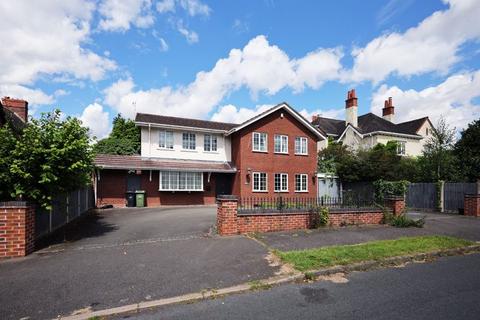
(432, 46)
(96, 119)
(328, 113)
(33, 96)
(119, 15)
(259, 66)
(451, 98)
(192, 7)
(163, 44)
(190, 35)
(232, 114)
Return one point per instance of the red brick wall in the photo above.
(472, 205)
(395, 204)
(18, 106)
(112, 187)
(17, 231)
(244, 158)
(229, 222)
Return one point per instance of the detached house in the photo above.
(188, 161)
(369, 129)
(14, 112)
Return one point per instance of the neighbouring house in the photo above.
(188, 161)
(369, 129)
(14, 112)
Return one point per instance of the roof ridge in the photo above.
(422, 118)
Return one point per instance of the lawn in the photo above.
(311, 259)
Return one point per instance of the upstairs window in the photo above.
(259, 142)
(259, 181)
(401, 148)
(165, 139)
(280, 143)
(188, 141)
(301, 183)
(210, 143)
(281, 182)
(301, 145)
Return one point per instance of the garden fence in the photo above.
(65, 209)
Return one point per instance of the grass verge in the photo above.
(304, 260)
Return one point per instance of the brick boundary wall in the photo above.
(17, 229)
(229, 222)
(472, 205)
(395, 204)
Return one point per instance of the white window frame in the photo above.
(283, 140)
(189, 141)
(283, 178)
(166, 141)
(301, 175)
(259, 135)
(298, 146)
(212, 142)
(254, 174)
(401, 148)
(186, 175)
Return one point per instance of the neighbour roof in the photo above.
(134, 162)
(8, 116)
(368, 123)
(184, 122)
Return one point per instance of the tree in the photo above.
(52, 157)
(439, 162)
(7, 145)
(123, 140)
(467, 151)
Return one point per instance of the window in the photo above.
(426, 131)
(165, 139)
(280, 144)
(281, 182)
(209, 143)
(301, 145)
(188, 141)
(301, 183)
(401, 147)
(259, 181)
(181, 181)
(259, 141)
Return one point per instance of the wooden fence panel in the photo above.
(421, 196)
(454, 194)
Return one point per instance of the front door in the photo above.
(133, 182)
(223, 183)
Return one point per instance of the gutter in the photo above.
(168, 126)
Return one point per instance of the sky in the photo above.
(228, 60)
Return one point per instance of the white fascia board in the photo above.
(349, 126)
(173, 127)
(393, 134)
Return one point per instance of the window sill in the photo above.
(212, 152)
(284, 191)
(165, 149)
(285, 153)
(301, 154)
(260, 191)
(306, 191)
(186, 150)
(173, 191)
(259, 151)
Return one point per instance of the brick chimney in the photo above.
(388, 110)
(351, 108)
(18, 106)
(315, 118)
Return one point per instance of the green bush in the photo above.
(385, 188)
(322, 217)
(402, 221)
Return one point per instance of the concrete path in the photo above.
(125, 256)
(417, 291)
(436, 223)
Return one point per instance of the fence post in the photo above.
(441, 196)
(227, 206)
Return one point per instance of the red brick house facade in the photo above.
(191, 162)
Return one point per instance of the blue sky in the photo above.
(227, 60)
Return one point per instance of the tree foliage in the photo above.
(467, 150)
(123, 140)
(52, 156)
(7, 144)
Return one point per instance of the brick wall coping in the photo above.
(472, 196)
(14, 204)
(227, 197)
(332, 211)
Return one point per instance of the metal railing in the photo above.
(283, 204)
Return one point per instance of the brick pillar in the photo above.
(227, 215)
(17, 229)
(472, 205)
(396, 204)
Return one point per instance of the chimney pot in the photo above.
(388, 111)
(315, 117)
(351, 108)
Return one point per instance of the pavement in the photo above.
(416, 291)
(123, 256)
(436, 224)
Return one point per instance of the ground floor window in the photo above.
(281, 182)
(259, 181)
(301, 183)
(181, 181)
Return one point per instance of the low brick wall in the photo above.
(472, 205)
(17, 229)
(395, 204)
(229, 222)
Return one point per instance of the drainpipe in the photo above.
(149, 141)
